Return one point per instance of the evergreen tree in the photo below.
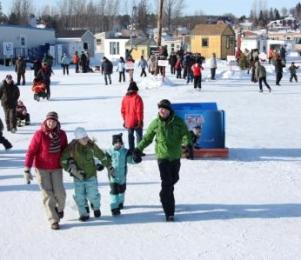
(276, 14)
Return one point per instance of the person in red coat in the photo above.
(132, 114)
(44, 153)
(196, 69)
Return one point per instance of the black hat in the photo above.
(165, 103)
(117, 139)
(133, 86)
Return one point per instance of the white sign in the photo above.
(162, 63)
(8, 49)
(231, 60)
(129, 65)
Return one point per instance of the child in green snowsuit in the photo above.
(78, 160)
(120, 157)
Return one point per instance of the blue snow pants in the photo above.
(117, 194)
(86, 190)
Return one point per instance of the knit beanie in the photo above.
(52, 115)
(165, 103)
(80, 133)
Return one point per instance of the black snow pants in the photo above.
(169, 173)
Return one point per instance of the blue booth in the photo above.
(208, 117)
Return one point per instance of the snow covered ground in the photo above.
(245, 207)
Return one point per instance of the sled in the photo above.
(211, 153)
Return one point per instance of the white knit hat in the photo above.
(80, 133)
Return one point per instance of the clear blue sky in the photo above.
(215, 7)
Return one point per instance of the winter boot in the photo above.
(120, 206)
(7, 144)
(84, 218)
(55, 226)
(97, 213)
(115, 212)
(170, 218)
(59, 213)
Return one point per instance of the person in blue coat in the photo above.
(120, 157)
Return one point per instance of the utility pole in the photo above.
(132, 25)
(160, 19)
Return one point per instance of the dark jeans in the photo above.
(121, 76)
(172, 69)
(198, 81)
(278, 78)
(169, 173)
(264, 80)
(294, 76)
(108, 76)
(143, 72)
(189, 77)
(19, 75)
(10, 118)
(213, 70)
(65, 69)
(131, 138)
(76, 68)
(47, 85)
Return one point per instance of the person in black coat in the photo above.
(107, 69)
(9, 95)
(279, 70)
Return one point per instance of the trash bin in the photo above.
(205, 115)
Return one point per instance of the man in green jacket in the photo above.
(171, 132)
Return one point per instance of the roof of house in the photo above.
(142, 41)
(25, 27)
(210, 29)
(71, 33)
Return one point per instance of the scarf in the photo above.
(54, 135)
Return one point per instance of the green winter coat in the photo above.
(84, 157)
(170, 134)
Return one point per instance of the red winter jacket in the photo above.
(39, 154)
(196, 69)
(132, 110)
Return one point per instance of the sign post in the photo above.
(8, 51)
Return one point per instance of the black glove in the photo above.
(99, 167)
(188, 151)
(137, 155)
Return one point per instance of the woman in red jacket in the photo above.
(132, 114)
(45, 151)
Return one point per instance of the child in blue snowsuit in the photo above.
(120, 157)
(78, 160)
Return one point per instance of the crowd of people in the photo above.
(50, 153)
(251, 61)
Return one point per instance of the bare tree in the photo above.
(142, 12)
(22, 9)
(173, 9)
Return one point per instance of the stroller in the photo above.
(39, 89)
(23, 118)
